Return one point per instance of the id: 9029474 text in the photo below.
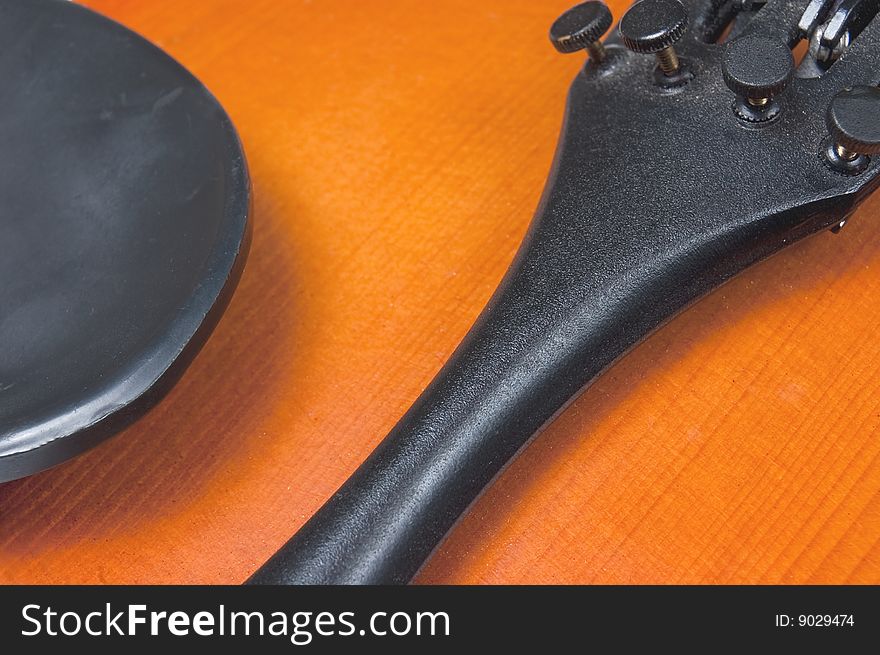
(815, 620)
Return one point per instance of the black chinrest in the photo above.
(124, 225)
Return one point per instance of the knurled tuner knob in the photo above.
(654, 27)
(853, 120)
(580, 28)
(757, 68)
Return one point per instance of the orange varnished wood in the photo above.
(398, 149)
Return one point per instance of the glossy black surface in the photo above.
(124, 217)
(657, 195)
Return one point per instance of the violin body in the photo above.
(394, 179)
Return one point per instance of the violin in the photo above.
(394, 179)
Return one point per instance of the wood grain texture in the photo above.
(398, 149)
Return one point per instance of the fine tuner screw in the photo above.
(580, 28)
(852, 121)
(757, 68)
(654, 27)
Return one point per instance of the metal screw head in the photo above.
(757, 67)
(853, 119)
(580, 27)
(653, 25)
(823, 54)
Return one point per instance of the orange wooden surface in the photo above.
(398, 149)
